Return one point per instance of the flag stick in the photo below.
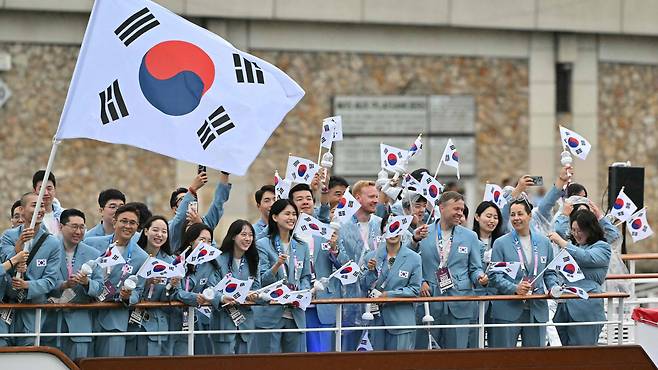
(547, 266)
(42, 191)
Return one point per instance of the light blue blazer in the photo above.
(41, 274)
(505, 250)
(206, 275)
(221, 320)
(593, 261)
(260, 229)
(95, 231)
(79, 321)
(464, 263)
(157, 318)
(269, 316)
(211, 219)
(402, 281)
(325, 264)
(117, 319)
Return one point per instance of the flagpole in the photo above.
(547, 266)
(42, 191)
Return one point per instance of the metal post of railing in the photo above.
(481, 305)
(339, 327)
(610, 315)
(37, 327)
(631, 266)
(620, 326)
(190, 329)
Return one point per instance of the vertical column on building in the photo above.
(585, 111)
(542, 136)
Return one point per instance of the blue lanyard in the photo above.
(293, 248)
(230, 265)
(439, 241)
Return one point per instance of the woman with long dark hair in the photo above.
(282, 256)
(240, 259)
(190, 288)
(155, 242)
(589, 248)
(488, 225)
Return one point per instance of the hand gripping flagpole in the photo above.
(547, 266)
(51, 159)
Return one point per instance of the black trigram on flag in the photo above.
(112, 104)
(217, 123)
(135, 26)
(245, 67)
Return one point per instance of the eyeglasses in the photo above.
(76, 227)
(125, 222)
(245, 235)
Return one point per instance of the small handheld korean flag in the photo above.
(155, 268)
(274, 291)
(179, 265)
(202, 254)
(393, 158)
(415, 148)
(281, 186)
(580, 292)
(494, 193)
(346, 207)
(576, 143)
(348, 273)
(410, 183)
(236, 288)
(639, 226)
(337, 122)
(623, 207)
(451, 156)
(311, 226)
(301, 170)
(566, 265)
(509, 268)
(364, 344)
(300, 299)
(396, 225)
(146, 77)
(111, 257)
(431, 189)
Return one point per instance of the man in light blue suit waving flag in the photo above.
(148, 78)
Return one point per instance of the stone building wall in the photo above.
(500, 88)
(628, 109)
(39, 79)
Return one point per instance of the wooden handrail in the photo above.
(87, 306)
(631, 276)
(639, 256)
(50, 350)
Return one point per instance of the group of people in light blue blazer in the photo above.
(435, 256)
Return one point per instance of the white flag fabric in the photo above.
(169, 86)
(110, 258)
(299, 298)
(431, 189)
(510, 268)
(623, 207)
(179, 265)
(639, 226)
(364, 344)
(348, 273)
(327, 135)
(415, 148)
(338, 127)
(494, 193)
(393, 158)
(577, 144)
(451, 156)
(410, 183)
(234, 288)
(580, 292)
(565, 264)
(156, 268)
(301, 170)
(274, 290)
(281, 186)
(310, 226)
(346, 207)
(202, 253)
(396, 225)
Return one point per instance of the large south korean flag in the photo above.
(148, 78)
